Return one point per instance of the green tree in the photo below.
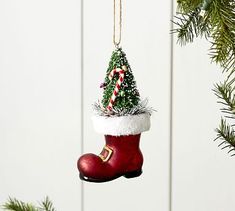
(128, 95)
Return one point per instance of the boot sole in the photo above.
(133, 174)
(128, 175)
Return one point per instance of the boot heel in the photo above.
(133, 174)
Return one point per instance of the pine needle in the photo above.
(14, 204)
(47, 205)
(225, 132)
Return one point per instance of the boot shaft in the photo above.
(126, 143)
(125, 151)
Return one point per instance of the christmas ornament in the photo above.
(121, 116)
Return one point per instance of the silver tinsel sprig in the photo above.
(141, 108)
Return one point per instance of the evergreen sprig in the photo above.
(190, 25)
(14, 204)
(225, 93)
(215, 20)
(225, 132)
(217, 24)
(47, 205)
(222, 21)
(187, 6)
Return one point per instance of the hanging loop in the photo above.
(117, 25)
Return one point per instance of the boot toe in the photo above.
(90, 166)
(87, 162)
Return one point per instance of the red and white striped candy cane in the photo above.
(117, 87)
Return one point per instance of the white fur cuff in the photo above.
(123, 125)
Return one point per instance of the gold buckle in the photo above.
(106, 158)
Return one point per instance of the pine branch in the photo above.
(222, 17)
(217, 25)
(225, 93)
(190, 25)
(225, 132)
(216, 20)
(16, 205)
(47, 205)
(188, 5)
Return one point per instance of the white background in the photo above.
(53, 57)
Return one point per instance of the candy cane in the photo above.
(117, 87)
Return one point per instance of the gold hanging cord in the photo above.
(117, 40)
